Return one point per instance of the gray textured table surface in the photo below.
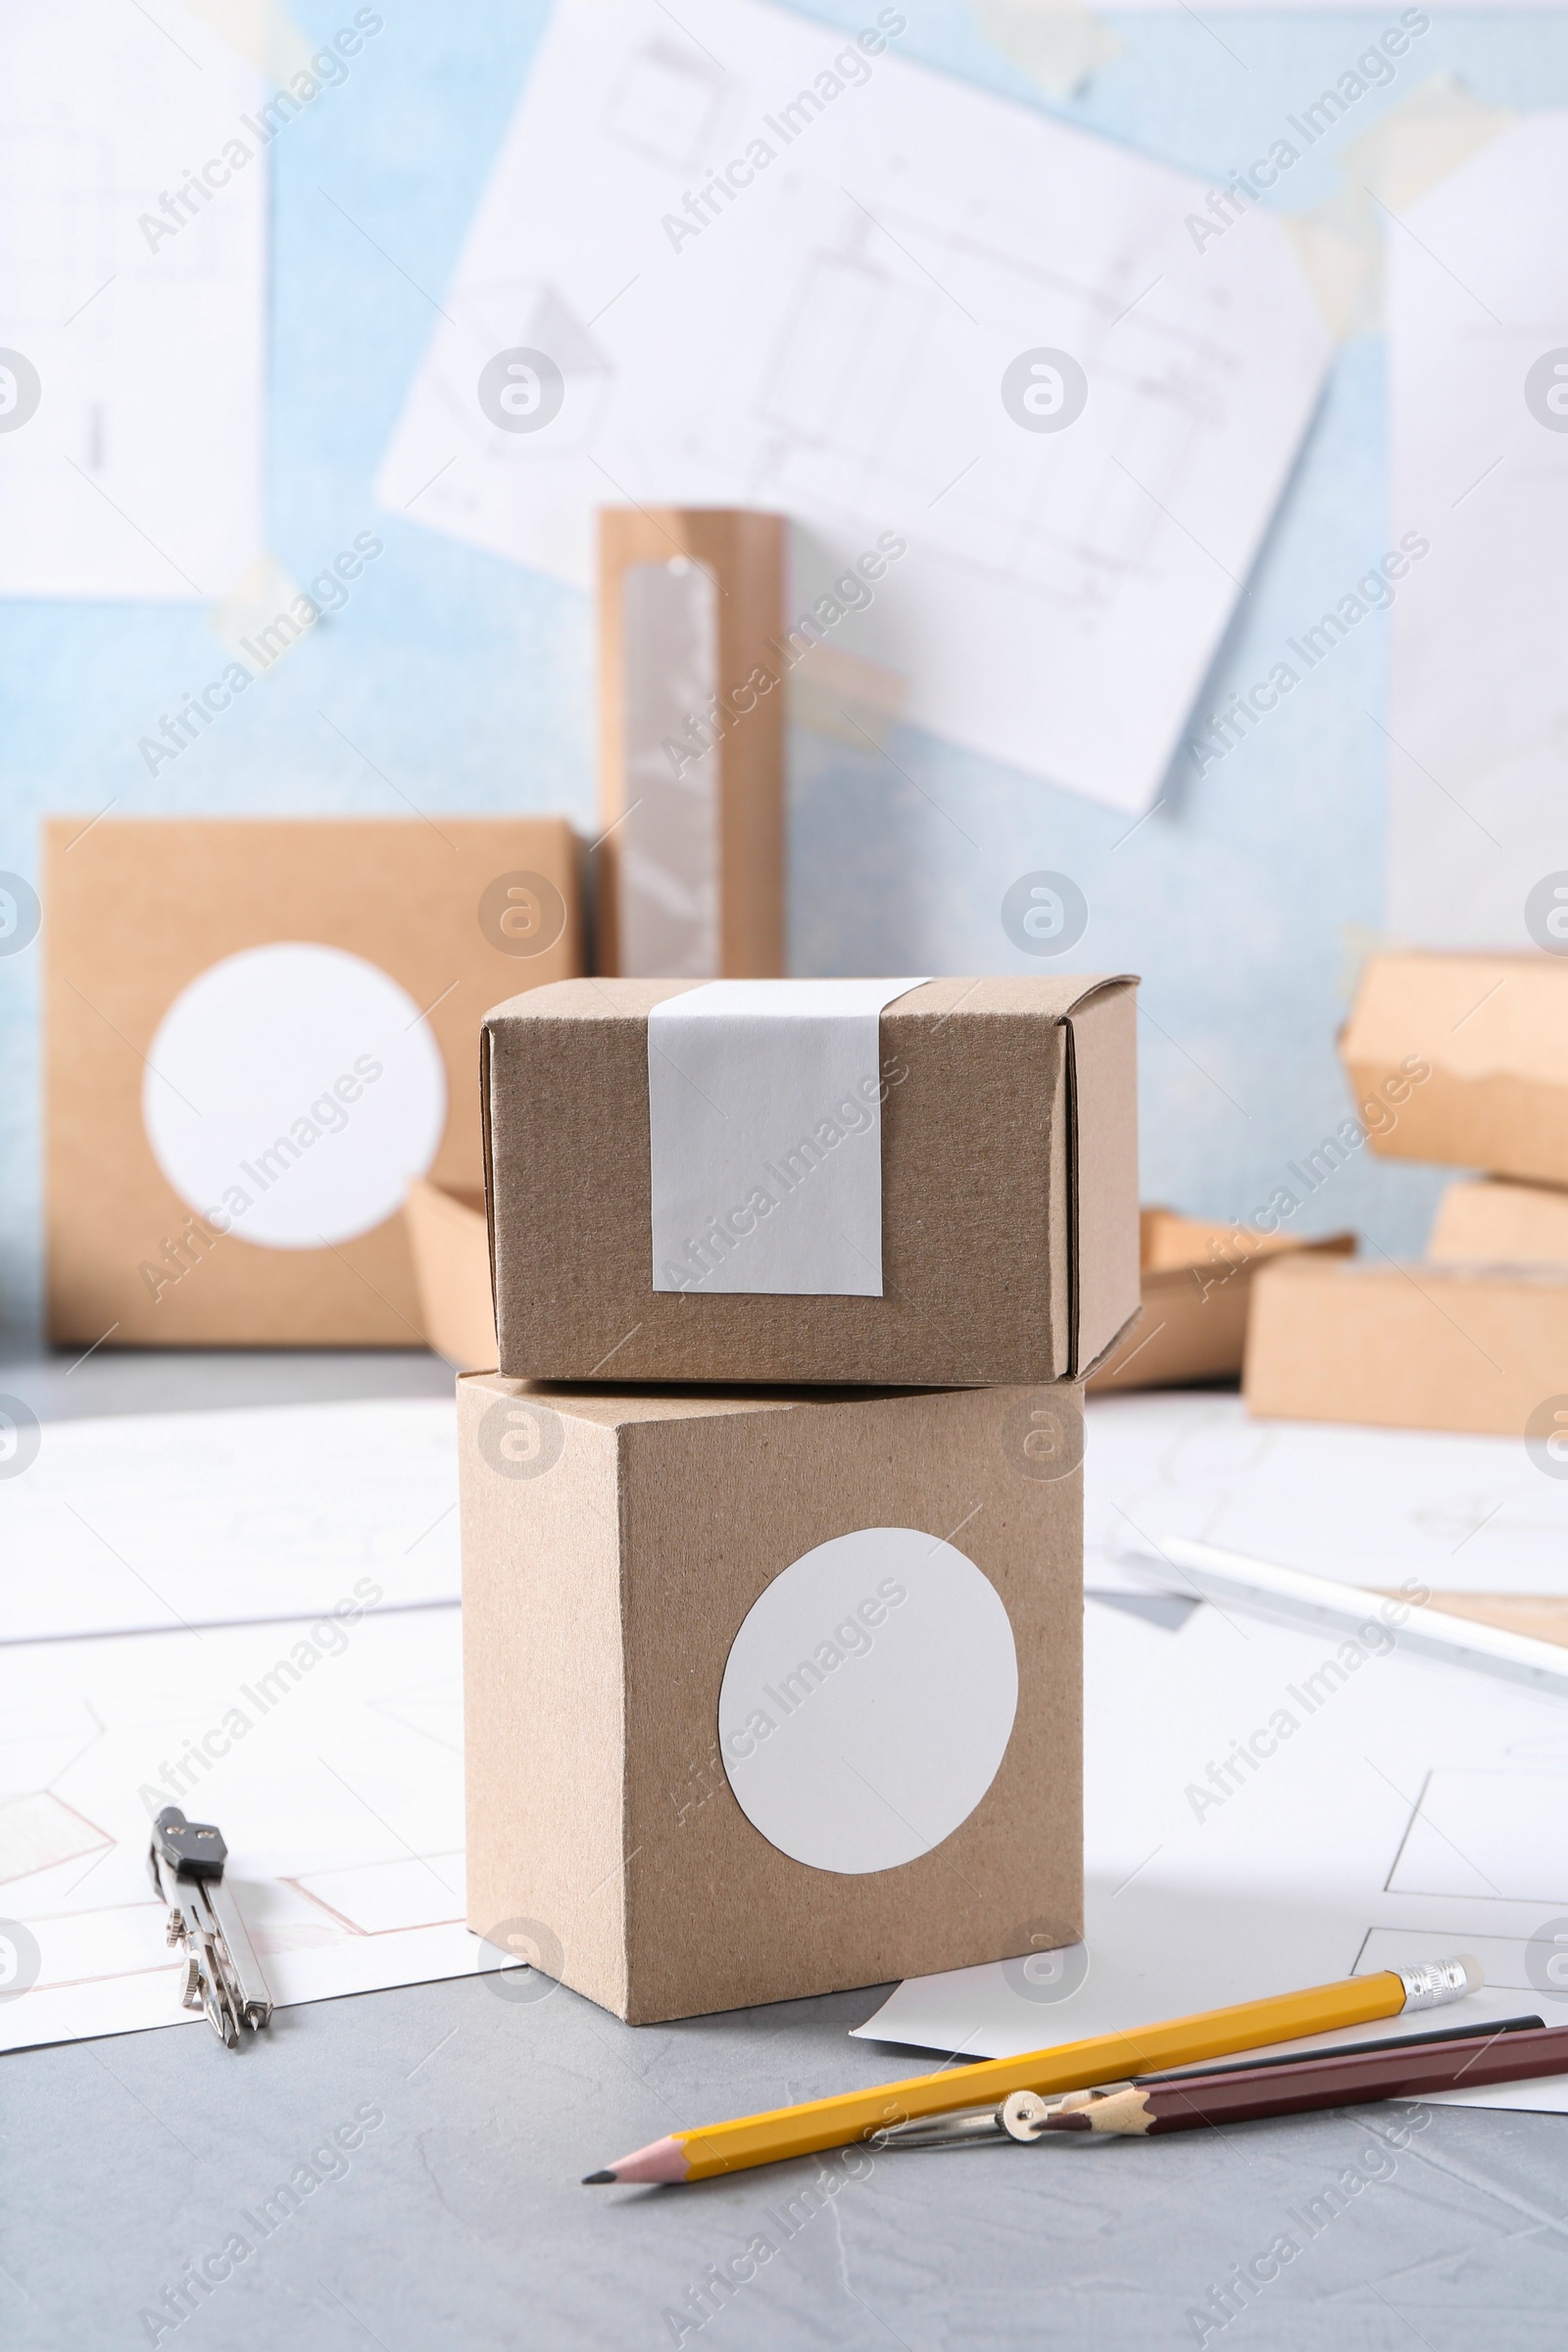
(457, 2218)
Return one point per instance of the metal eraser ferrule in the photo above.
(1436, 1982)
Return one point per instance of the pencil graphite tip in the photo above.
(592, 2179)
(664, 2161)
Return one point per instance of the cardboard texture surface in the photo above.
(1195, 1283)
(1025, 1276)
(1492, 1033)
(608, 1566)
(1410, 1346)
(1496, 1223)
(137, 911)
(450, 1244)
(691, 863)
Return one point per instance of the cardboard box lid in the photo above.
(1098, 1269)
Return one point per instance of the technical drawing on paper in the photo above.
(329, 1752)
(813, 304)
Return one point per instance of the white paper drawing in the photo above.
(1478, 711)
(328, 1752)
(132, 303)
(1366, 1506)
(770, 268)
(1263, 1813)
(152, 1522)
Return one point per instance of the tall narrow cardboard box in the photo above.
(690, 863)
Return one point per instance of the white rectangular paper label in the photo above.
(765, 1134)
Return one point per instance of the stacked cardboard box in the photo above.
(772, 1513)
(1468, 1056)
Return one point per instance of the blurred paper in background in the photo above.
(1478, 707)
(873, 300)
(134, 295)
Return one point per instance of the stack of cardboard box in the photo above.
(1470, 1054)
(772, 1576)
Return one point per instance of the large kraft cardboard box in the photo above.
(257, 1034)
(1009, 1202)
(1195, 1285)
(1418, 1347)
(1493, 1222)
(768, 1694)
(1472, 1054)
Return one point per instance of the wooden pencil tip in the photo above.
(592, 2179)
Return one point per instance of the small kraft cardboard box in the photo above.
(770, 1694)
(693, 655)
(894, 1183)
(1471, 1054)
(1195, 1285)
(1419, 1346)
(1492, 1222)
(258, 1033)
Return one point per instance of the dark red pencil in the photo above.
(1246, 2094)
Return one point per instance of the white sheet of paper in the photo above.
(1478, 714)
(1402, 1817)
(139, 473)
(147, 1522)
(766, 1137)
(1368, 1506)
(337, 1784)
(832, 342)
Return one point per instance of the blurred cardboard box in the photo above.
(1009, 1161)
(1493, 1222)
(1196, 1279)
(1418, 1347)
(257, 1034)
(693, 659)
(1465, 1058)
(450, 1243)
(768, 1695)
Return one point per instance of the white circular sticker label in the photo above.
(869, 1701)
(292, 1095)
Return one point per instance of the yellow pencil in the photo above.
(1071, 2066)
